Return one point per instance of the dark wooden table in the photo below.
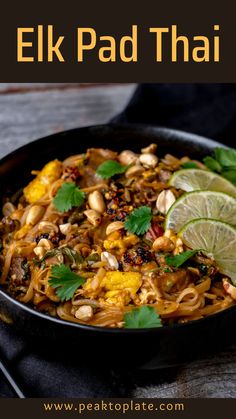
(30, 111)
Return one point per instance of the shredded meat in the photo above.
(174, 281)
(18, 272)
(99, 155)
(95, 156)
(164, 175)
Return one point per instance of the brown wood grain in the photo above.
(13, 88)
(213, 376)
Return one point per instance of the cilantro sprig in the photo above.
(143, 317)
(65, 281)
(223, 162)
(178, 260)
(71, 256)
(110, 168)
(139, 221)
(68, 196)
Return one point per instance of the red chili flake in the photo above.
(137, 256)
(213, 271)
(154, 232)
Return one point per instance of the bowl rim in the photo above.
(116, 330)
(178, 135)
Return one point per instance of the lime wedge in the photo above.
(216, 240)
(201, 204)
(196, 179)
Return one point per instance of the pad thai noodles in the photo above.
(86, 242)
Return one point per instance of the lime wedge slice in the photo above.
(196, 179)
(216, 240)
(201, 204)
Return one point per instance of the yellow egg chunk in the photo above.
(34, 191)
(114, 244)
(40, 185)
(118, 298)
(121, 244)
(115, 280)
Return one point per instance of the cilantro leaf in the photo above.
(179, 260)
(142, 317)
(65, 281)
(69, 195)
(225, 157)
(212, 164)
(230, 175)
(223, 163)
(139, 221)
(110, 168)
(189, 165)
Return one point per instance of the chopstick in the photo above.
(11, 380)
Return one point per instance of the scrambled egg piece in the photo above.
(40, 185)
(115, 280)
(115, 288)
(118, 298)
(121, 244)
(120, 287)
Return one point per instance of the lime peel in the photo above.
(198, 179)
(201, 204)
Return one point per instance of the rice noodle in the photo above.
(176, 294)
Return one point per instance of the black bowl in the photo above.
(152, 348)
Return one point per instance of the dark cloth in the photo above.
(204, 109)
(208, 110)
(45, 369)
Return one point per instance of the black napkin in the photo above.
(47, 371)
(204, 109)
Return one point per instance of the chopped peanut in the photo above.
(163, 244)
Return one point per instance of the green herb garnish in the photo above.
(223, 162)
(94, 257)
(139, 221)
(225, 157)
(190, 165)
(142, 317)
(178, 260)
(68, 196)
(230, 175)
(65, 281)
(110, 168)
(212, 164)
(71, 255)
(166, 270)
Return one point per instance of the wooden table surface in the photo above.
(30, 111)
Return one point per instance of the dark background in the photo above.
(115, 18)
(205, 109)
